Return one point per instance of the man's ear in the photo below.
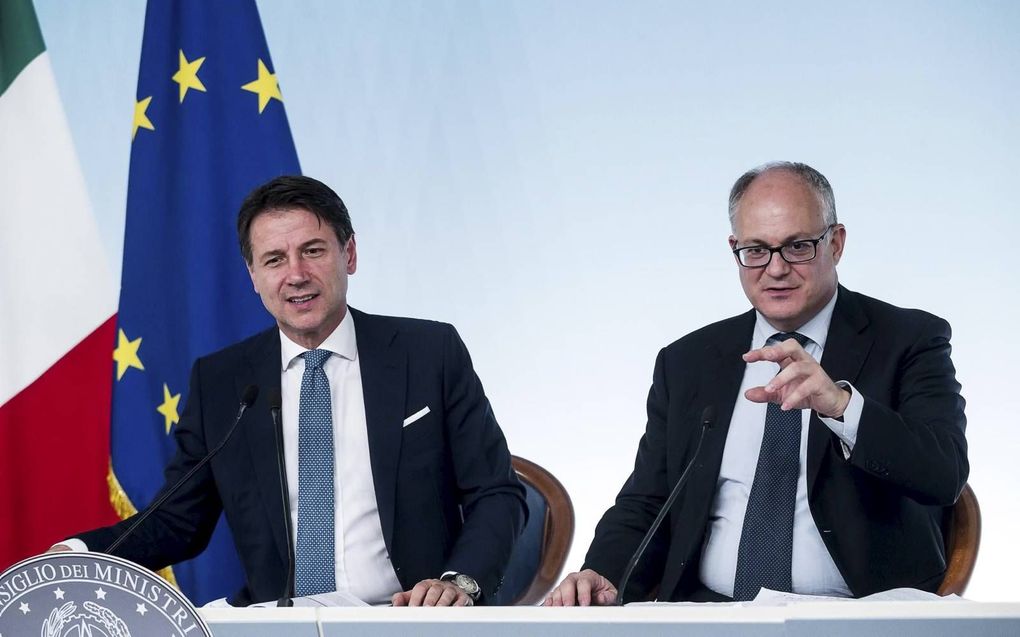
(352, 256)
(838, 242)
(251, 275)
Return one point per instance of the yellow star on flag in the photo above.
(141, 120)
(169, 408)
(266, 86)
(126, 354)
(187, 74)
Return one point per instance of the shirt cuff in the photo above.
(74, 544)
(845, 427)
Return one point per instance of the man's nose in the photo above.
(296, 272)
(777, 267)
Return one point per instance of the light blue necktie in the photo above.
(314, 570)
(765, 555)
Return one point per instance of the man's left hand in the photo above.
(801, 382)
(433, 592)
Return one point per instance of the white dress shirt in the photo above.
(363, 567)
(814, 572)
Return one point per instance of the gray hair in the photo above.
(814, 179)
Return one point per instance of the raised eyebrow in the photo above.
(312, 242)
(280, 253)
(270, 253)
(793, 238)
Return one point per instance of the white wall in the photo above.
(551, 177)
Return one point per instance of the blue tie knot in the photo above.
(785, 336)
(314, 359)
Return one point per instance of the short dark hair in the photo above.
(293, 191)
(814, 179)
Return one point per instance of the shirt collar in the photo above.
(815, 329)
(342, 342)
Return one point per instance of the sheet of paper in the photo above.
(322, 600)
(768, 597)
(910, 595)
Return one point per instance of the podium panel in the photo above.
(262, 622)
(843, 619)
(652, 621)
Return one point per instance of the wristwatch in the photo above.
(464, 582)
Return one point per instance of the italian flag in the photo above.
(57, 307)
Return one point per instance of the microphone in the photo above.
(707, 420)
(275, 406)
(251, 392)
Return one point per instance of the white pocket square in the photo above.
(418, 415)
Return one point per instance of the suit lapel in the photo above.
(263, 370)
(719, 375)
(384, 385)
(720, 383)
(846, 347)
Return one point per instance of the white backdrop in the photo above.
(551, 177)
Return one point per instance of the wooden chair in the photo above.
(962, 543)
(541, 551)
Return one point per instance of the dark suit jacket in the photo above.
(880, 513)
(448, 496)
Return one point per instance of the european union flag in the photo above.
(209, 125)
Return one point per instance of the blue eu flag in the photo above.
(209, 125)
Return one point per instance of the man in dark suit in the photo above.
(399, 480)
(838, 439)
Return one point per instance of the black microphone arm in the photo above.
(275, 406)
(251, 392)
(707, 419)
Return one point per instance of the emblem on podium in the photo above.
(92, 595)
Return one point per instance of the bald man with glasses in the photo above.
(838, 439)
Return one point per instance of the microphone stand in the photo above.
(251, 392)
(707, 418)
(275, 406)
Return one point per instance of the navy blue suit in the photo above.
(448, 497)
(881, 513)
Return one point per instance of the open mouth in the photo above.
(304, 299)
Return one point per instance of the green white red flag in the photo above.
(57, 311)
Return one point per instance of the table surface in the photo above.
(895, 619)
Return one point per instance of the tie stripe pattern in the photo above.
(314, 568)
(765, 555)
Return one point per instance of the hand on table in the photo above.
(433, 592)
(586, 588)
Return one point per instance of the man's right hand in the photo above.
(586, 588)
(59, 548)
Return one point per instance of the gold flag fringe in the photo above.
(122, 505)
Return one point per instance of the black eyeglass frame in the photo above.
(774, 249)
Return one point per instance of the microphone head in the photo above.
(275, 399)
(251, 392)
(708, 417)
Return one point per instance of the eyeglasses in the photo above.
(799, 251)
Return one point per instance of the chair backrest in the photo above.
(541, 550)
(962, 544)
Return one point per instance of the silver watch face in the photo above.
(466, 583)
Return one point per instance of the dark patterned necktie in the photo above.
(314, 560)
(765, 556)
